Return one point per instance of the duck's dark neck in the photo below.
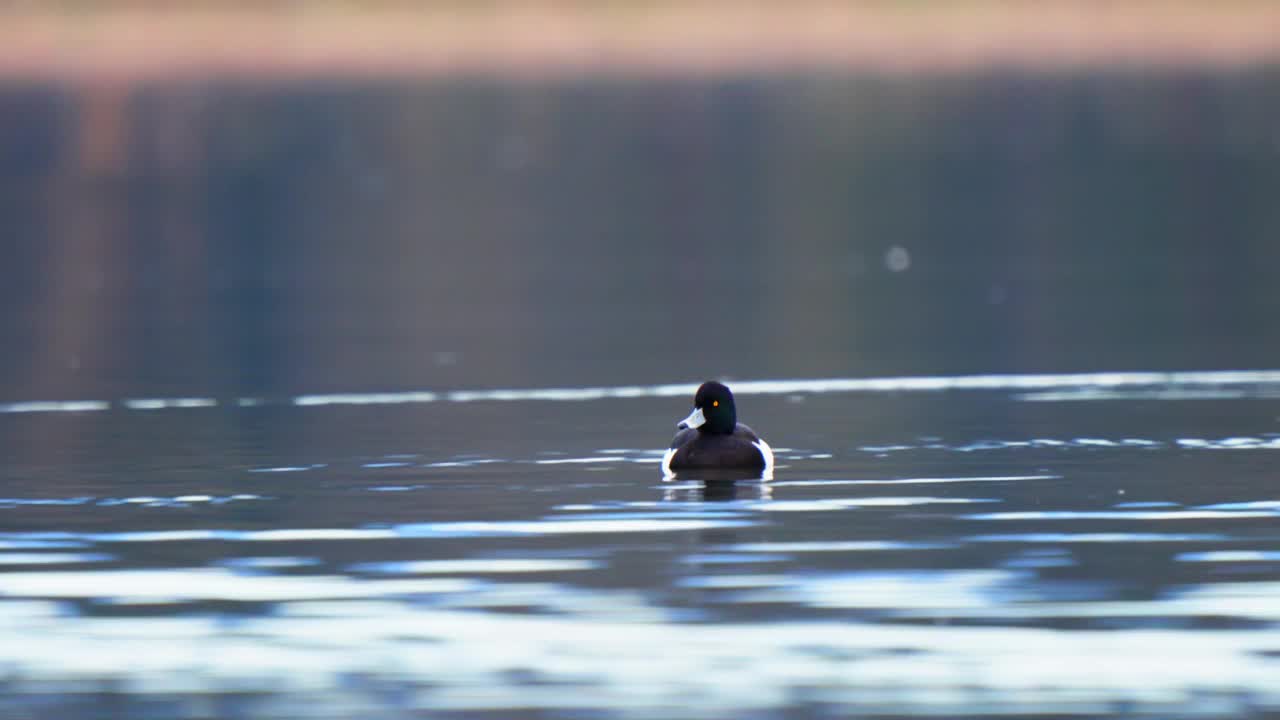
(722, 424)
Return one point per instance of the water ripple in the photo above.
(475, 566)
(140, 500)
(1267, 442)
(204, 584)
(837, 546)
(58, 558)
(1122, 515)
(455, 666)
(866, 502)
(1231, 556)
(1127, 538)
(913, 481)
(569, 525)
(1273, 505)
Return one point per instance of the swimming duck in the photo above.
(711, 438)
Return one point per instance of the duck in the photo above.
(712, 439)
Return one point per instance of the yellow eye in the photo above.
(715, 403)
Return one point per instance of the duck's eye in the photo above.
(715, 403)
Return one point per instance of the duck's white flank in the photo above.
(666, 462)
(767, 452)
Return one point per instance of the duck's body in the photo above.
(742, 448)
(711, 438)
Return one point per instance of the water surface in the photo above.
(985, 552)
(347, 400)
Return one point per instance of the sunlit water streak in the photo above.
(566, 525)
(653, 456)
(1125, 515)
(1098, 537)
(166, 403)
(475, 566)
(205, 584)
(1270, 441)
(446, 660)
(140, 500)
(59, 558)
(913, 481)
(1073, 386)
(1231, 556)
(837, 546)
(1095, 394)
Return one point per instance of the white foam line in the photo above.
(1103, 380)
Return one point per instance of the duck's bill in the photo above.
(695, 420)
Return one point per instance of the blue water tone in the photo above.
(932, 578)
(319, 401)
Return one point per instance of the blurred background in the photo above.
(263, 265)
(278, 197)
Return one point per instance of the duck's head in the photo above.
(713, 410)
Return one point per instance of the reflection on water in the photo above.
(326, 241)
(716, 490)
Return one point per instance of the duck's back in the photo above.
(699, 450)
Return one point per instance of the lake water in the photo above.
(348, 401)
